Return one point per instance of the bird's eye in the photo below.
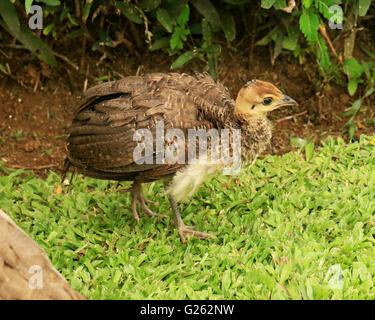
(267, 101)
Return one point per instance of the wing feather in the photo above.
(101, 141)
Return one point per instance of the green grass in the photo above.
(292, 229)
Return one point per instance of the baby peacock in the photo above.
(107, 118)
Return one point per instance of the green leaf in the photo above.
(52, 2)
(309, 150)
(72, 20)
(175, 40)
(24, 34)
(212, 66)
(129, 11)
(3, 69)
(352, 86)
(116, 278)
(279, 40)
(267, 38)
(28, 4)
(352, 129)
(9, 15)
(297, 142)
(285, 272)
(369, 92)
(182, 59)
(226, 282)
(75, 33)
(37, 46)
(214, 49)
(279, 4)
(164, 19)
(228, 25)
(208, 10)
(206, 31)
(48, 29)
(324, 60)
(149, 5)
(183, 18)
(353, 68)
(266, 4)
(237, 2)
(290, 42)
(307, 3)
(356, 106)
(86, 10)
(160, 43)
(178, 36)
(364, 5)
(367, 67)
(309, 25)
(324, 7)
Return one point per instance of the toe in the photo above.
(134, 209)
(186, 230)
(151, 202)
(151, 213)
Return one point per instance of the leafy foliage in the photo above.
(309, 24)
(316, 17)
(23, 34)
(198, 29)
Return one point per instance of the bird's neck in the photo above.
(256, 133)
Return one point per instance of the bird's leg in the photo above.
(253, 162)
(181, 227)
(139, 198)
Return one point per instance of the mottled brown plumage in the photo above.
(101, 141)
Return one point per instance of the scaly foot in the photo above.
(139, 198)
(184, 230)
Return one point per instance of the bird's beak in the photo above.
(286, 101)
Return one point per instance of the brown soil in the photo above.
(34, 99)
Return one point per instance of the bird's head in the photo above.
(257, 98)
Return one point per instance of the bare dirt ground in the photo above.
(35, 99)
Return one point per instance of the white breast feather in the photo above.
(187, 181)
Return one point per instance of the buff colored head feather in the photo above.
(257, 98)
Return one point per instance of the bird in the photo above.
(102, 139)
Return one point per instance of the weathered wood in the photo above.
(25, 270)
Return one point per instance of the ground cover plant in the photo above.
(335, 34)
(299, 226)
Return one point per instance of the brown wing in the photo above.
(107, 116)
